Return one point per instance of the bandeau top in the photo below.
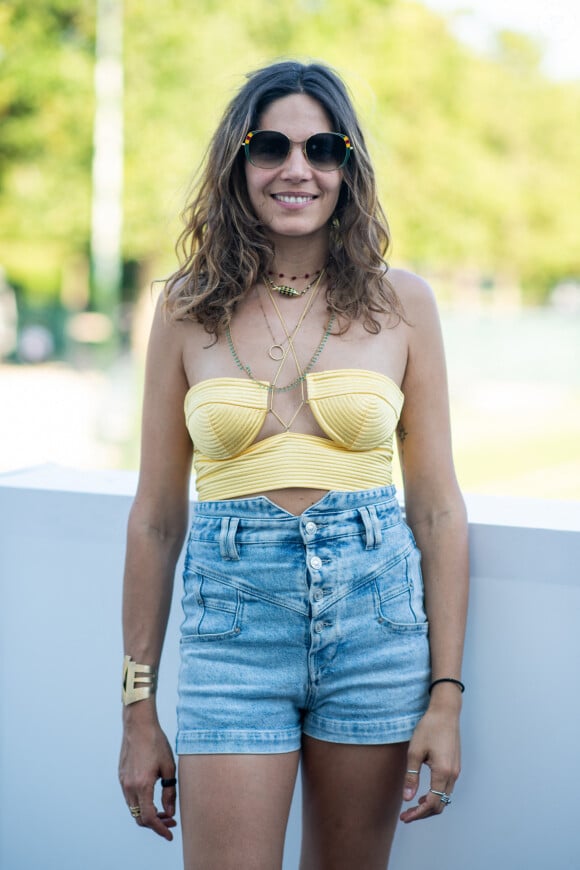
(358, 411)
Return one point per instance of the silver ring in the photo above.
(443, 796)
(135, 811)
(412, 771)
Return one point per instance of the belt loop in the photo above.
(372, 526)
(228, 549)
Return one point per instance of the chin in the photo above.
(297, 229)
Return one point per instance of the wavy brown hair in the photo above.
(224, 248)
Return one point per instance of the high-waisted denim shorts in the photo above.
(308, 624)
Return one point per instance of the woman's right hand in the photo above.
(145, 757)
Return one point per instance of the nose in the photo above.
(296, 164)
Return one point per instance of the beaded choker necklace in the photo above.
(286, 289)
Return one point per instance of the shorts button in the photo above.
(310, 527)
(316, 563)
(318, 595)
(319, 626)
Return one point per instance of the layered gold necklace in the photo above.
(276, 351)
(279, 354)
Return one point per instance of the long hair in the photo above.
(223, 248)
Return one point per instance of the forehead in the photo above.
(297, 115)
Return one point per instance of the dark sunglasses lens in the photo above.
(268, 148)
(326, 151)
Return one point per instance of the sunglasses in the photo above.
(268, 149)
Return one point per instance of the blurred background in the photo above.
(473, 120)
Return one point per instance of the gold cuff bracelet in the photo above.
(139, 681)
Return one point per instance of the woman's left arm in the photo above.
(436, 514)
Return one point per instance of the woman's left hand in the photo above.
(436, 743)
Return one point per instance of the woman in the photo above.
(297, 353)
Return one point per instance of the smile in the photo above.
(292, 200)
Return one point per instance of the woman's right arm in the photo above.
(156, 530)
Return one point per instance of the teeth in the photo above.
(293, 199)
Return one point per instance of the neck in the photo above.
(299, 256)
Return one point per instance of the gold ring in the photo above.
(135, 812)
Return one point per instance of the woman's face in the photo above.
(294, 200)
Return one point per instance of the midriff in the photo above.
(295, 500)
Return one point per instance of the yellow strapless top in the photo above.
(358, 411)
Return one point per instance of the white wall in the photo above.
(61, 552)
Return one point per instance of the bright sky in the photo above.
(556, 23)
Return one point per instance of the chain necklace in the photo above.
(299, 380)
(272, 387)
(301, 372)
(286, 290)
(276, 351)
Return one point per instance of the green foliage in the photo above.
(46, 109)
(476, 156)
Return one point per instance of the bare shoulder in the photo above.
(416, 296)
(422, 326)
(164, 324)
(168, 340)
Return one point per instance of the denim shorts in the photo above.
(308, 624)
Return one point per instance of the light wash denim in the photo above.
(312, 623)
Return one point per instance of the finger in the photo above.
(169, 794)
(151, 818)
(443, 796)
(135, 810)
(411, 783)
(412, 813)
(441, 788)
(160, 824)
(431, 804)
(423, 810)
(166, 820)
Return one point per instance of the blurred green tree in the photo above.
(477, 155)
(46, 111)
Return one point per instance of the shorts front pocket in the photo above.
(399, 595)
(212, 609)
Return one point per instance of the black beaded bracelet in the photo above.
(458, 683)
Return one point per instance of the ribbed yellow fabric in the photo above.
(357, 409)
(224, 415)
(292, 459)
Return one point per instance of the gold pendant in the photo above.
(286, 290)
(276, 353)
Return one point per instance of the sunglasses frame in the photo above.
(345, 139)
